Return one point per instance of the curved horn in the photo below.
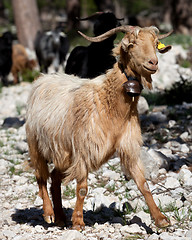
(109, 33)
(165, 35)
(90, 17)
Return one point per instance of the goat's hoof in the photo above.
(78, 227)
(61, 219)
(60, 223)
(49, 219)
(163, 222)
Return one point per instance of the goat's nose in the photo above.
(153, 61)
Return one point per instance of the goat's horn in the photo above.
(90, 17)
(109, 33)
(164, 35)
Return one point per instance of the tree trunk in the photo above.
(27, 21)
(179, 13)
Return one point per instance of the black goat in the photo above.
(5, 56)
(94, 60)
(51, 48)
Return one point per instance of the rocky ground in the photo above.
(114, 208)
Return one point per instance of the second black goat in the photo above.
(95, 59)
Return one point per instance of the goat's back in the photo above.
(61, 114)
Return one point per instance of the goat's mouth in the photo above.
(151, 69)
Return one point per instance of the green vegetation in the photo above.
(14, 171)
(29, 75)
(136, 6)
(1, 144)
(69, 192)
(178, 39)
(179, 92)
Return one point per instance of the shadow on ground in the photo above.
(33, 217)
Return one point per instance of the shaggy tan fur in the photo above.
(78, 124)
(21, 61)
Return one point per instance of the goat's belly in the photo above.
(94, 150)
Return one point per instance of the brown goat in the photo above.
(21, 62)
(79, 124)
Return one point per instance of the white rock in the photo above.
(21, 147)
(172, 183)
(133, 228)
(114, 161)
(167, 152)
(111, 174)
(154, 236)
(3, 169)
(188, 183)
(163, 200)
(138, 204)
(158, 117)
(92, 178)
(183, 212)
(184, 175)
(151, 166)
(145, 217)
(189, 197)
(162, 171)
(184, 136)
(19, 237)
(184, 148)
(173, 145)
(171, 123)
(159, 161)
(189, 234)
(39, 229)
(178, 203)
(22, 180)
(142, 106)
(72, 235)
(38, 201)
(101, 200)
(164, 236)
(8, 234)
(98, 190)
(6, 205)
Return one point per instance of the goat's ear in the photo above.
(164, 49)
(125, 44)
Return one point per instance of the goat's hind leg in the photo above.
(56, 177)
(77, 217)
(136, 172)
(42, 174)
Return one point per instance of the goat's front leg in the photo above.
(136, 172)
(81, 192)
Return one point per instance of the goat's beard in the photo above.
(146, 82)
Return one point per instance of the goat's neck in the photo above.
(131, 73)
(116, 96)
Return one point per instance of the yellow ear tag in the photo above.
(160, 45)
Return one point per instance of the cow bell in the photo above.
(132, 87)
